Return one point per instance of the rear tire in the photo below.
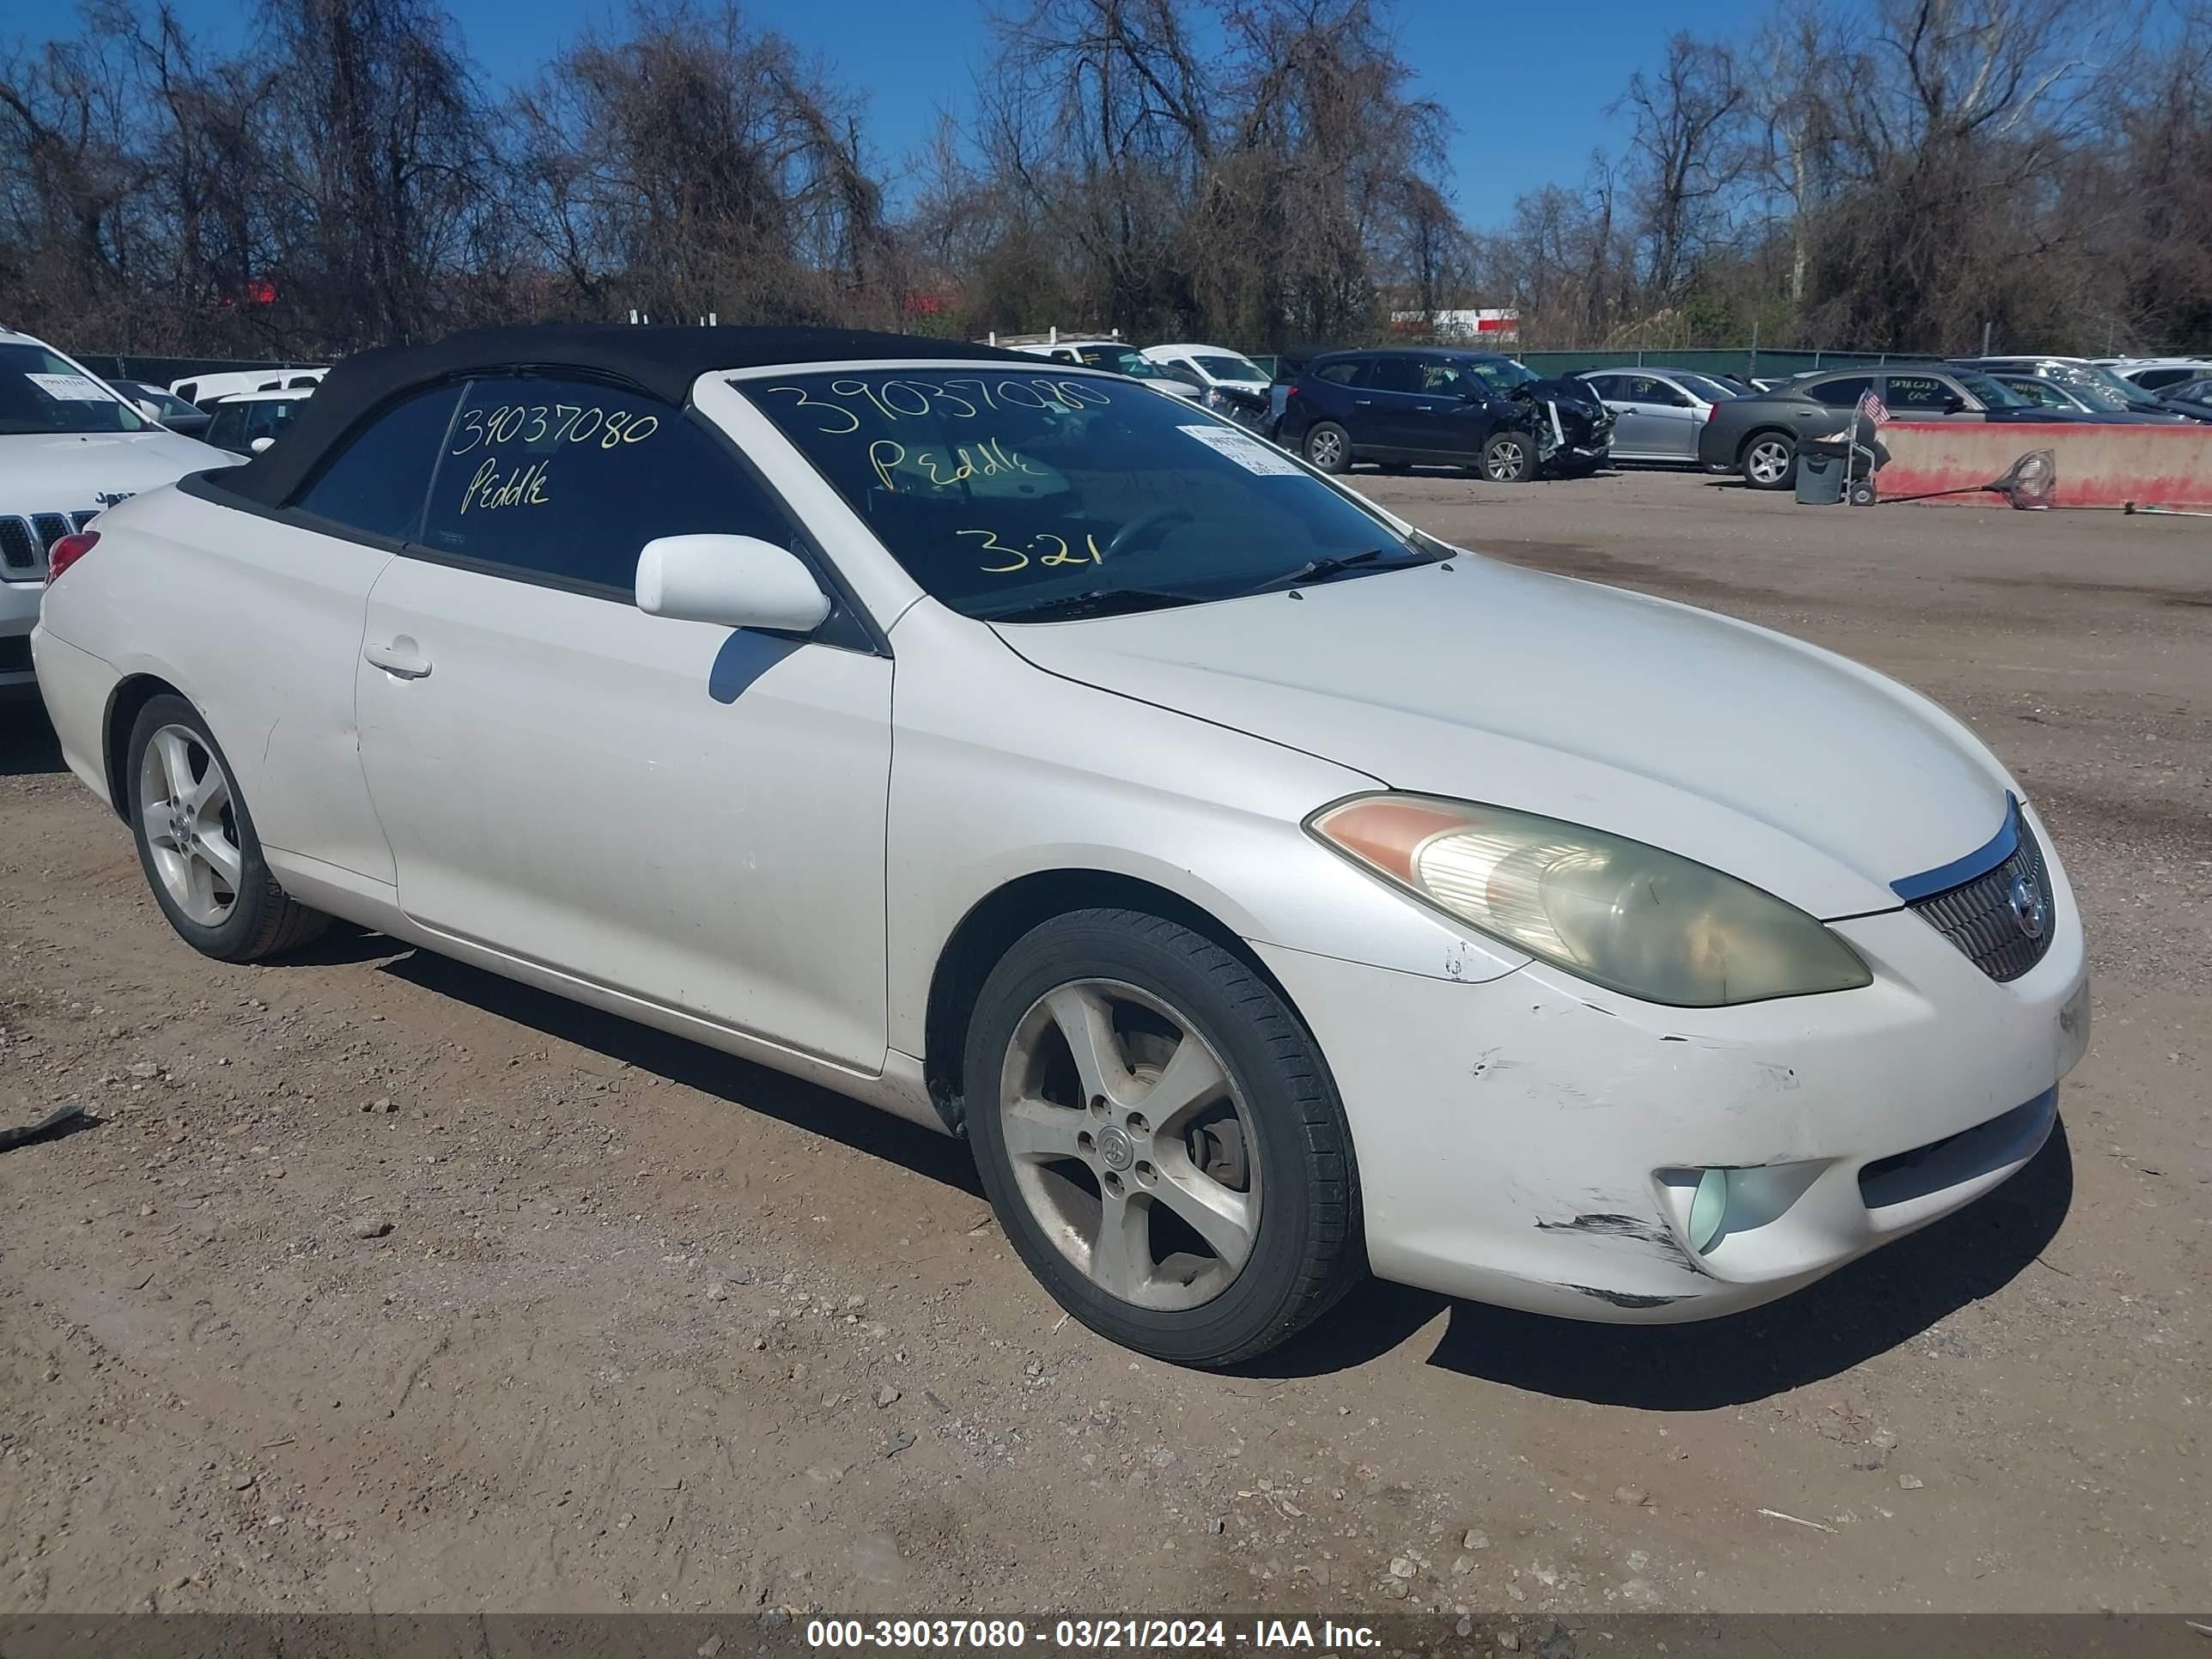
(1769, 461)
(196, 843)
(1328, 446)
(1197, 1204)
(1509, 457)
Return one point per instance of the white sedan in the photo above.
(1268, 891)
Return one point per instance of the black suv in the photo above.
(1405, 406)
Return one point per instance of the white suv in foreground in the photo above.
(70, 444)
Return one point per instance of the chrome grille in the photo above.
(1981, 918)
(24, 540)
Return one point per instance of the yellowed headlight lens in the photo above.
(1627, 915)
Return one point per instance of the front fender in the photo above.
(1061, 776)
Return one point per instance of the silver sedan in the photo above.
(1656, 412)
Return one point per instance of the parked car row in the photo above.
(1759, 435)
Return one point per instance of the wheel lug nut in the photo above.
(1099, 1106)
(1136, 1124)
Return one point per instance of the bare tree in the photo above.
(1685, 156)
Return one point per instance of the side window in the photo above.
(378, 482)
(1445, 379)
(1843, 392)
(187, 389)
(1604, 388)
(568, 480)
(1394, 375)
(1920, 391)
(1345, 372)
(1643, 389)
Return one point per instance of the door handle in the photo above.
(1362, 403)
(1424, 408)
(400, 659)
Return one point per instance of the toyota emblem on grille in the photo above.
(2029, 912)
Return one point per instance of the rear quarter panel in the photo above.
(258, 624)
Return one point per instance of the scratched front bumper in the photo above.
(1522, 1141)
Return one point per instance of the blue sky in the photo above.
(1528, 85)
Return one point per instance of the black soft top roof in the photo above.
(662, 361)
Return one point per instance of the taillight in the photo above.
(67, 552)
(1711, 409)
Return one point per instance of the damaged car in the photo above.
(1266, 892)
(1423, 406)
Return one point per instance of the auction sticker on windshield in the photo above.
(1247, 452)
(75, 388)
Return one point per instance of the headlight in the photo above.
(1625, 915)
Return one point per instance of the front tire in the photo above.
(1770, 461)
(196, 843)
(1160, 1139)
(1328, 446)
(1509, 457)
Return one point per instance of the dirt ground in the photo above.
(382, 1283)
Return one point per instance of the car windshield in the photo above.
(1711, 391)
(2103, 389)
(1993, 393)
(171, 405)
(41, 391)
(1226, 366)
(1502, 373)
(1018, 496)
(1121, 360)
(2195, 391)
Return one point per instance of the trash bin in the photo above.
(1819, 475)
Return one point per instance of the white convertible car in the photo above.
(1268, 891)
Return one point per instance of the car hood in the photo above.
(1789, 766)
(69, 471)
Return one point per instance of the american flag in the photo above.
(1872, 407)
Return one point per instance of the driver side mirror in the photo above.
(148, 408)
(1953, 403)
(260, 444)
(731, 581)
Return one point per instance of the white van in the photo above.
(1207, 366)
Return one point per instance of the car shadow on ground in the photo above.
(1878, 1302)
(27, 748)
(754, 1088)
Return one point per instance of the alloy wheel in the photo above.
(1325, 451)
(1506, 458)
(1130, 1144)
(191, 825)
(1768, 462)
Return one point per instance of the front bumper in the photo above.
(1534, 1142)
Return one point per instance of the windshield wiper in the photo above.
(1093, 602)
(1315, 570)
